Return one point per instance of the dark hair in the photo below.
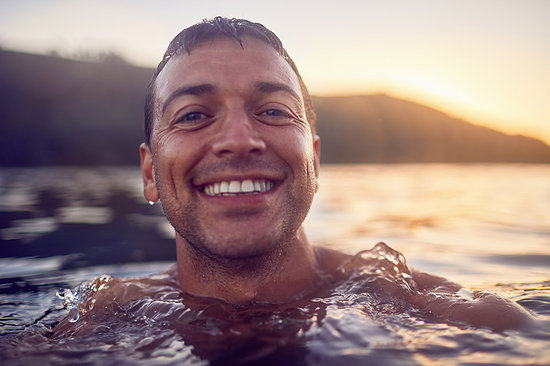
(209, 29)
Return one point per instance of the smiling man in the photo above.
(232, 155)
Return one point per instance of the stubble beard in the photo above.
(245, 251)
(242, 253)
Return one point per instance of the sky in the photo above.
(486, 61)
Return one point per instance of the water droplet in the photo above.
(72, 299)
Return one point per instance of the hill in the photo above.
(56, 111)
(382, 129)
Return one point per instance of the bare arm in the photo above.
(449, 300)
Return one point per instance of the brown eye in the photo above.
(275, 113)
(275, 116)
(193, 120)
(193, 116)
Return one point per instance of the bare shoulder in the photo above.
(449, 300)
(330, 260)
(104, 295)
(435, 295)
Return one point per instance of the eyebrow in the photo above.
(265, 87)
(188, 90)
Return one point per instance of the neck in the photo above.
(277, 277)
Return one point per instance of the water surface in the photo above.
(485, 226)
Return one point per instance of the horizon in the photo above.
(485, 63)
(94, 58)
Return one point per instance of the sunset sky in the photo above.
(487, 61)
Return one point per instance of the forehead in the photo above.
(228, 66)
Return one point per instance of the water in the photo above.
(484, 226)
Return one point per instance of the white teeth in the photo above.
(224, 187)
(233, 187)
(257, 186)
(247, 186)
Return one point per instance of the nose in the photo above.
(238, 136)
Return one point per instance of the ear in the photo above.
(148, 174)
(317, 157)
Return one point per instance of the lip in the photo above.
(198, 182)
(257, 185)
(235, 187)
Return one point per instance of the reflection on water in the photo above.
(456, 220)
(487, 227)
(89, 216)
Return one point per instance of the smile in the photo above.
(234, 187)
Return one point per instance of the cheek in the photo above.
(302, 145)
(297, 150)
(176, 155)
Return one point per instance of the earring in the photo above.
(151, 202)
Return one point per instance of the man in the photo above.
(232, 155)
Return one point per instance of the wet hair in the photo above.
(208, 29)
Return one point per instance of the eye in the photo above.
(275, 116)
(192, 117)
(192, 120)
(275, 113)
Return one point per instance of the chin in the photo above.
(244, 249)
(240, 246)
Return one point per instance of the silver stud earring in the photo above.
(151, 202)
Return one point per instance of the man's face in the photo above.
(232, 156)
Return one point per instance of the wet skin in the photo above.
(443, 300)
(229, 113)
(226, 113)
